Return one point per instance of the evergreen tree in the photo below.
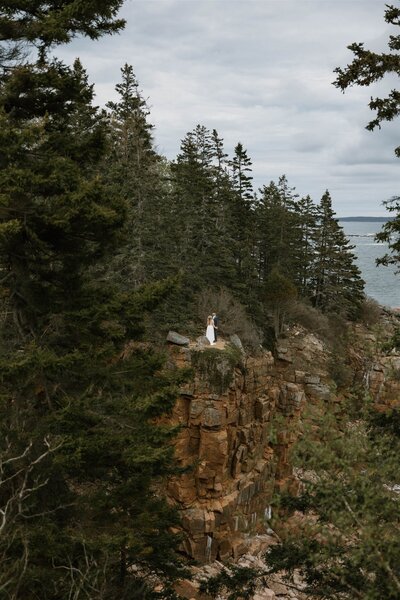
(276, 231)
(81, 455)
(135, 172)
(242, 220)
(241, 169)
(44, 24)
(304, 255)
(193, 189)
(344, 545)
(337, 285)
(367, 68)
(220, 158)
(390, 234)
(348, 545)
(200, 209)
(54, 212)
(279, 294)
(224, 194)
(222, 183)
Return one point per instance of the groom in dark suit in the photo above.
(215, 324)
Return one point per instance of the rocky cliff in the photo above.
(239, 415)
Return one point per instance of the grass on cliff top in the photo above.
(217, 366)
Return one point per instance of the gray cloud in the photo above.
(260, 71)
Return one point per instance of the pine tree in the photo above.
(337, 284)
(369, 67)
(242, 223)
(135, 172)
(200, 209)
(348, 544)
(276, 231)
(81, 454)
(304, 252)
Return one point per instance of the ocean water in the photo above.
(381, 283)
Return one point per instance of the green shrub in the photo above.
(218, 366)
(370, 312)
(232, 314)
(310, 318)
(393, 343)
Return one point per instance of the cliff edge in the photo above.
(239, 416)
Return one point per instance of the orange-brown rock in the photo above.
(227, 438)
(239, 418)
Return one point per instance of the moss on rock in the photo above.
(217, 366)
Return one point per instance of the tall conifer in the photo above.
(135, 172)
(276, 229)
(242, 219)
(200, 201)
(80, 452)
(337, 284)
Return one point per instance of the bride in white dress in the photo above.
(210, 330)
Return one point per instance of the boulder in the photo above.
(176, 338)
(236, 341)
(202, 341)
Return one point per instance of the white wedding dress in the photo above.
(210, 334)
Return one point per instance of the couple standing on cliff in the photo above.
(212, 328)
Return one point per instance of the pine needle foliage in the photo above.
(83, 448)
(367, 68)
(347, 545)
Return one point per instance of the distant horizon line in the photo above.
(366, 218)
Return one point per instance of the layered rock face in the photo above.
(237, 427)
(377, 363)
(240, 415)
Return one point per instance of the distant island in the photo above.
(367, 219)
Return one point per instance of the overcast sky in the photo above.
(260, 72)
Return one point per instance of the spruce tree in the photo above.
(278, 295)
(336, 284)
(242, 220)
(81, 454)
(276, 231)
(347, 546)
(344, 543)
(200, 189)
(304, 251)
(367, 68)
(224, 194)
(134, 170)
(390, 234)
(44, 24)
(241, 174)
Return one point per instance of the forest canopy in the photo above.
(104, 245)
